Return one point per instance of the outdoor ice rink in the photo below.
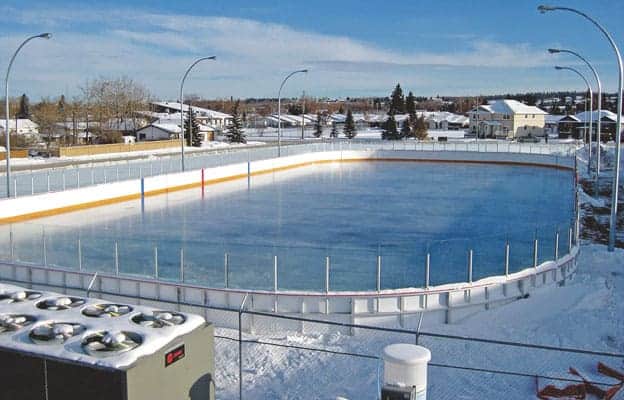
(356, 213)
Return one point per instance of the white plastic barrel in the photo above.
(406, 365)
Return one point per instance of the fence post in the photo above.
(535, 253)
(48, 180)
(570, 240)
(507, 259)
(470, 254)
(43, 247)
(65, 181)
(427, 265)
(79, 255)
(156, 262)
(92, 176)
(378, 280)
(78, 171)
(557, 245)
(240, 347)
(11, 245)
(327, 266)
(182, 264)
(116, 259)
(15, 188)
(117, 172)
(226, 273)
(32, 184)
(275, 282)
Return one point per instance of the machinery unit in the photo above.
(60, 347)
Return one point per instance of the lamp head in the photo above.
(304, 71)
(558, 67)
(554, 51)
(543, 8)
(212, 58)
(45, 35)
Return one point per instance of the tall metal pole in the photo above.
(591, 96)
(599, 94)
(6, 109)
(182, 106)
(618, 124)
(279, 110)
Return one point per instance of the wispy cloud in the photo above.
(156, 48)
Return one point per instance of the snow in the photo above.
(585, 313)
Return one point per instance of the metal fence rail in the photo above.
(96, 173)
(323, 269)
(341, 359)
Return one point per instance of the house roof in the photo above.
(21, 124)
(605, 115)
(173, 105)
(169, 128)
(508, 106)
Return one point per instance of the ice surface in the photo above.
(350, 212)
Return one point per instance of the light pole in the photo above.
(591, 96)
(599, 94)
(279, 110)
(618, 126)
(6, 108)
(182, 105)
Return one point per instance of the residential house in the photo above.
(20, 126)
(506, 118)
(218, 120)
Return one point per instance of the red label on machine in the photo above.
(174, 355)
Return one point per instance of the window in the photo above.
(141, 135)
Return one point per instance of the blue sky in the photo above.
(352, 48)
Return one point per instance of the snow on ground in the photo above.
(586, 313)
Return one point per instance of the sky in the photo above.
(351, 48)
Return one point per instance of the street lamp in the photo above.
(182, 105)
(599, 84)
(616, 173)
(279, 110)
(591, 96)
(6, 109)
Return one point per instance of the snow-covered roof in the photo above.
(200, 110)
(605, 115)
(508, 106)
(21, 124)
(171, 128)
(552, 119)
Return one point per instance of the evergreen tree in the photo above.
(420, 128)
(61, 104)
(349, 129)
(235, 133)
(318, 126)
(191, 130)
(410, 105)
(334, 131)
(390, 129)
(406, 129)
(24, 107)
(397, 101)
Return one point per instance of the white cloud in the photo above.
(252, 56)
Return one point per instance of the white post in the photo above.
(507, 259)
(11, 245)
(427, 265)
(43, 247)
(116, 259)
(65, 183)
(275, 273)
(15, 187)
(156, 262)
(378, 280)
(327, 266)
(48, 181)
(79, 255)
(226, 266)
(470, 253)
(182, 264)
(535, 253)
(570, 233)
(557, 245)
(32, 184)
(78, 172)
